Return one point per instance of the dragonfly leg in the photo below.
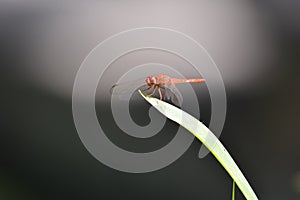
(160, 96)
(153, 91)
(147, 88)
(164, 93)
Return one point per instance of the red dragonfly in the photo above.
(163, 82)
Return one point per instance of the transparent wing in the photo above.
(173, 94)
(127, 87)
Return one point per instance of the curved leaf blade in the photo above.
(200, 131)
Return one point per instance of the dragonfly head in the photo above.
(150, 80)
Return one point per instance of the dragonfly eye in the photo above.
(150, 80)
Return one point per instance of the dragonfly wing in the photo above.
(127, 87)
(173, 94)
(168, 93)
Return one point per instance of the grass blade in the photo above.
(201, 132)
(233, 190)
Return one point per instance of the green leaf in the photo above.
(201, 132)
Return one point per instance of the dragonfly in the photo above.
(162, 83)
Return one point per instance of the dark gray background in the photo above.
(255, 45)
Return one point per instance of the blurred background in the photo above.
(255, 44)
